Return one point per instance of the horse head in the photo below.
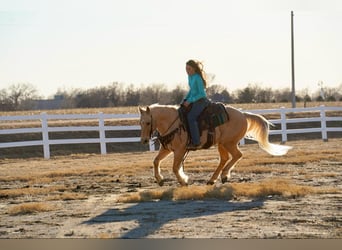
(146, 124)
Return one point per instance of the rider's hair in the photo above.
(198, 67)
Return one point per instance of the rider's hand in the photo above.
(186, 104)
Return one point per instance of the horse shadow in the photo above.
(151, 216)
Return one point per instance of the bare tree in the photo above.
(177, 95)
(5, 102)
(20, 95)
(132, 96)
(153, 94)
(246, 95)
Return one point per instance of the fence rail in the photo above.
(100, 118)
(45, 129)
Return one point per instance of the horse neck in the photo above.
(165, 119)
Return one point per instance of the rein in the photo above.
(165, 139)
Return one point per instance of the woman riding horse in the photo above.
(196, 100)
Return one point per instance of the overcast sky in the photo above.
(85, 43)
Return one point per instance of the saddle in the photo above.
(213, 115)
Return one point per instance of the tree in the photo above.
(247, 95)
(214, 89)
(219, 93)
(264, 95)
(307, 98)
(282, 95)
(18, 96)
(177, 95)
(132, 96)
(114, 93)
(155, 93)
(68, 97)
(5, 102)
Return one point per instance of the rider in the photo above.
(196, 98)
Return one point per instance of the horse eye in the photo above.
(148, 123)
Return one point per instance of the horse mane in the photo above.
(164, 112)
(157, 105)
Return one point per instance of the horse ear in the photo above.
(142, 110)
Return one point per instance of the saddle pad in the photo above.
(214, 115)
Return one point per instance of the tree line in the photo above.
(24, 96)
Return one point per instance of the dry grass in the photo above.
(279, 187)
(113, 110)
(285, 104)
(223, 192)
(30, 208)
(67, 196)
(32, 191)
(263, 189)
(107, 236)
(259, 170)
(134, 109)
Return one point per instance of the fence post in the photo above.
(323, 123)
(283, 125)
(45, 135)
(102, 134)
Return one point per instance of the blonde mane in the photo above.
(164, 111)
(157, 105)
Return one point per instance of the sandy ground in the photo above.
(101, 216)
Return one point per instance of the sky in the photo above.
(70, 44)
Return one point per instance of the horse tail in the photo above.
(258, 130)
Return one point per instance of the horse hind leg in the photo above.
(236, 157)
(224, 157)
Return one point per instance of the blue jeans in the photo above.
(196, 110)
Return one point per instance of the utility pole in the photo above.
(293, 93)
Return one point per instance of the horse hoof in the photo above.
(161, 183)
(224, 179)
(210, 183)
(190, 182)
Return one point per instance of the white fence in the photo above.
(44, 129)
(101, 128)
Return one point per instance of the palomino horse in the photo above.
(165, 120)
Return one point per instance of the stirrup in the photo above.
(193, 147)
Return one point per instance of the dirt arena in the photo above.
(81, 196)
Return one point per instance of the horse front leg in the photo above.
(156, 164)
(178, 167)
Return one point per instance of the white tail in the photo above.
(258, 129)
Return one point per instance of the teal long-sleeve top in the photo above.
(197, 90)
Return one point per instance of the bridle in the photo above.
(167, 134)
